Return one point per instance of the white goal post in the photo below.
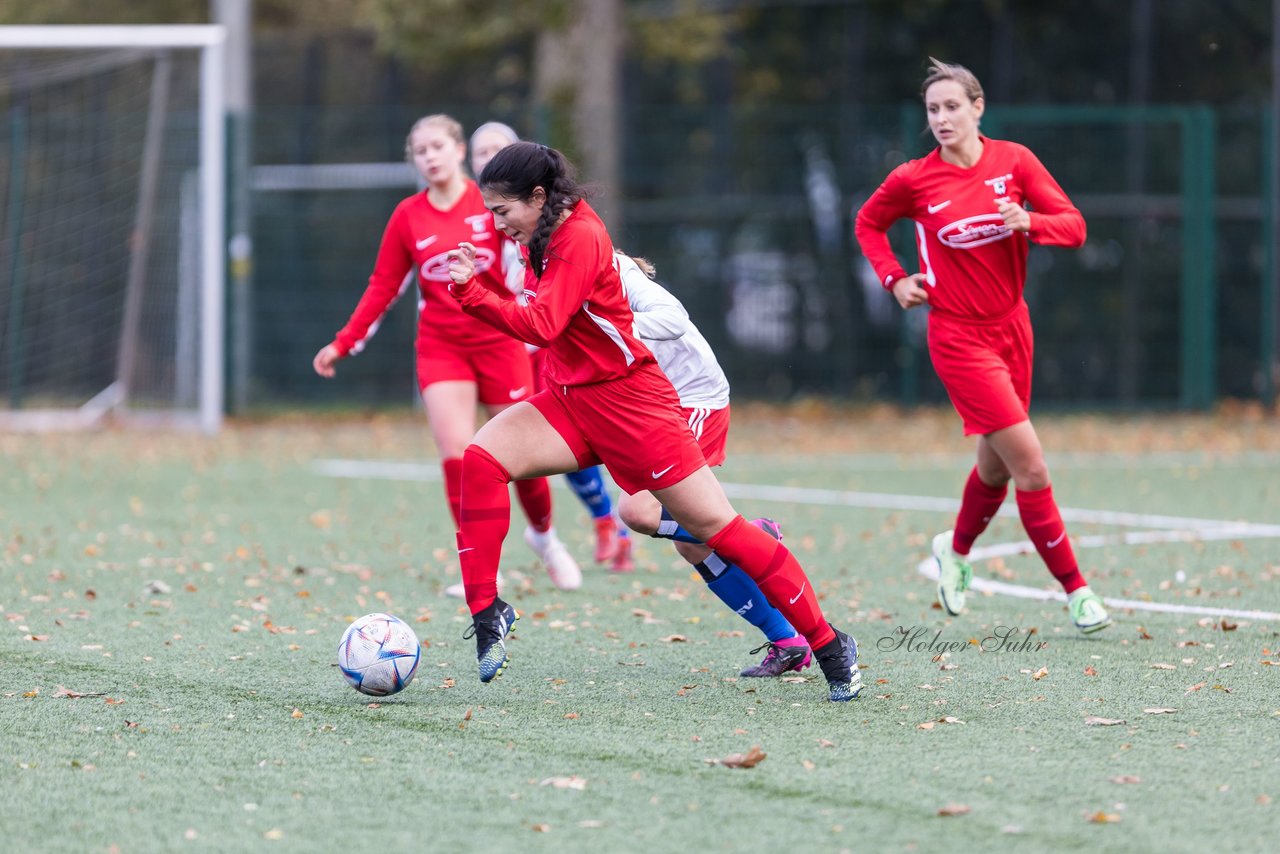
(112, 206)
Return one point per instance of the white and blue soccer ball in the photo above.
(378, 654)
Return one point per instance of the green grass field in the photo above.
(195, 590)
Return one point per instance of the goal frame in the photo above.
(209, 40)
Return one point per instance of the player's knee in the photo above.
(1032, 476)
(639, 515)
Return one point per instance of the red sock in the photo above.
(977, 508)
(779, 575)
(535, 498)
(485, 518)
(1043, 522)
(453, 485)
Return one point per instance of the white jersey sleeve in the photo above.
(683, 354)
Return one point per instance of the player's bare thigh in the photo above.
(1013, 452)
(520, 438)
(698, 504)
(451, 412)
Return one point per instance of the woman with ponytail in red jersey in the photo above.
(461, 361)
(606, 402)
(967, 199)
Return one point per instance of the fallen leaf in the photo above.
(541, 828)
(1159, 711)
(808, 766)
(674, 639)
(1194, 688)
(1089, 671)
(467, 716)
(574, 782)
(1101, 817)
(1223, 688)
(1228, 626)
(750, 759)
(274, 833)
(954, 809)
(1125, 779)
(927, 725)
(112, 701)
(34, 693)
(1094, 720)
(74, 695)
(822, 742)
(297, 714)
(1040, 674)
(37, 637)
(1163, 666)
(571, 716)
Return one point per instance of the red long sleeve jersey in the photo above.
(577, 309)
(419, 235)
(975, 266)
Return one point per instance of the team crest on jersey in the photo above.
(999, 185)
(436, 268)
(479, 222)
(974, 231)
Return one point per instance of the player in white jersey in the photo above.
(663, 324)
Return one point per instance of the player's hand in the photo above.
(909, 291)
(1015, 215)
(462, 265)
(325, 360)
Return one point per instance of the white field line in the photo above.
(1167, 529)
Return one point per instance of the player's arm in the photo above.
(1053, 220)
(889, 203)
(659, 316)
(386, 283)
(563, 289)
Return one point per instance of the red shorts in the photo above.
(633, 425)
(710, 429)
(985, 367)
(502, 371)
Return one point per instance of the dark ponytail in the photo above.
(519, 169)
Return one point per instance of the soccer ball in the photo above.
(378, 654)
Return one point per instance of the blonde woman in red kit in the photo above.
(968, 199)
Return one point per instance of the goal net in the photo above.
(111, 226)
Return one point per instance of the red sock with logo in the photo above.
(453, 485)
(978, 507)
(485, 519)
(1044, 525)
(779, 576)
(535, 498)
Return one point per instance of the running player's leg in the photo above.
(517, 443)
(1019, 448)
(729, 583)
(700, 505)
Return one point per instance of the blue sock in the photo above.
(588, 485)
(737, 590)
(669, 529)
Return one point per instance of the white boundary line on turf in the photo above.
(1168, 529)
